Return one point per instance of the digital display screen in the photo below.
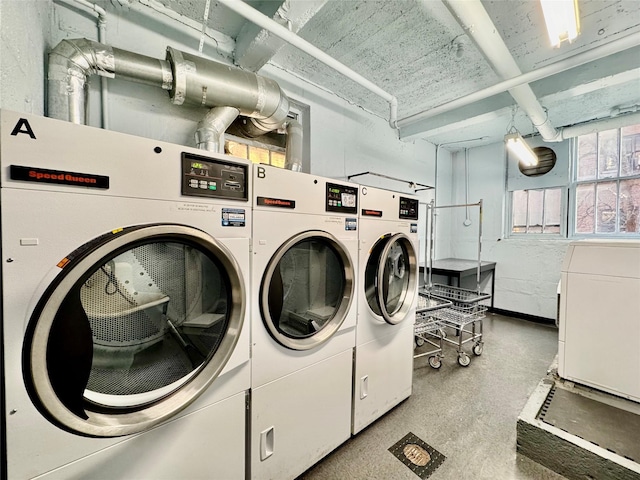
(341, 198)
(214, 178)
(349, 200)
(408, 208)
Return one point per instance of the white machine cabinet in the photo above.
(599, 316)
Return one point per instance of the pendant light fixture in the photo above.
(516, 145)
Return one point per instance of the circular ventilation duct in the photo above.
(546, 162)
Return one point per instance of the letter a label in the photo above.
(23, 127)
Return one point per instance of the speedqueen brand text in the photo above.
(276, 202)
(42, 175)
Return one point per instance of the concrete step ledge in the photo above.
(564, 453)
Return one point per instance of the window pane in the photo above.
(259, 155)
(585, 208)
(630, 154)
(535, 211)
(587, 157)
(277, 159)
(607, 207)
(629, 205)
(552, 210)
(236, 149)
(608, 154)
(519, 211)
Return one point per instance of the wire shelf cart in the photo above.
(464, 314)
(427, 329)
(466, 319)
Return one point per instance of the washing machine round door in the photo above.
(136, 325)
(307, 290)
(391, 278)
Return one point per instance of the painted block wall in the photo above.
(528, 270)
(344, 138)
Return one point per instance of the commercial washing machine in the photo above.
(305, 244)
(388, 282)
(124, 311)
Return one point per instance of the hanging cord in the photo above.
(511, 127)
(467, 220)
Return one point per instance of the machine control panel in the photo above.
(341, 198)
(408, 208)
(213, 177)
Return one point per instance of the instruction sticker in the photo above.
(233, 217)
(414, 228)
(350, 223)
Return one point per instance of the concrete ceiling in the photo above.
(417, 51)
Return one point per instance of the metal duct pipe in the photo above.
(212, 127)
(293, 155)
(71, 61)
(475, 21)
(189, 79)
(203, 82)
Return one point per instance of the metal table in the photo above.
(458, 268)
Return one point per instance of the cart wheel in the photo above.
(435, 362)
(419, 341)
(463, 359)
(477, 349)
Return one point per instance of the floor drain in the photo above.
(421, 458)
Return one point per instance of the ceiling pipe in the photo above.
(279, 31)
(210, 132)
(599, 125)
(188, 78)
(474, 19)
(594, 54)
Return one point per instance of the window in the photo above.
(607, 182)
(268, 149)
(537, 211)
(255, 151)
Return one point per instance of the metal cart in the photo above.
(465, 313)
(464, 316)
(428, 328)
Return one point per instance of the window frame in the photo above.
(295, 113)
(599, 179)
(539, 235)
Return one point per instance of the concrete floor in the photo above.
(467, 414)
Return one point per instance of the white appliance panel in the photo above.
(272, 360)
(371, 325)
(383, 364)
(177, 452)
(43, 223)
(383, 376)
(318, 398)
(305, 254)
(599, 342)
